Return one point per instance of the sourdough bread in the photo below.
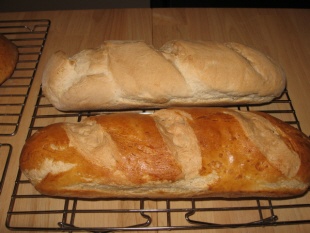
(173, 153)
(132, 74)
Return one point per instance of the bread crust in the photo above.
(8, 58)
(132, 74)
(173, 153)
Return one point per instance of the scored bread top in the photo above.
(171, 153)
(118, 73)
(205, 63)
(132, 74)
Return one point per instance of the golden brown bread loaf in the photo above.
(132, 74)
(172, 153)
(8, 58)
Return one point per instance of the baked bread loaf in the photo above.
(172, 153)
(8, 58)
(132, 74)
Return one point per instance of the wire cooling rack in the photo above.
(107, 215)
(29, 36)
(5, 155)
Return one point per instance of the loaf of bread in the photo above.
(132, 74)
(171, 153)
(8, 58)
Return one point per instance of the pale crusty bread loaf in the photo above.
(132, 74)
(172, 153)
(8, 58)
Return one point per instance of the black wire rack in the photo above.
(5, 155)
(29, 36)
(68, 214)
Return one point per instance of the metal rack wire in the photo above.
(66, 214)
(5, 155)
(29, 36)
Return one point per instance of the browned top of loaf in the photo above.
(243, 152)
(297, 142)
(8, 58)
(144, 156)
